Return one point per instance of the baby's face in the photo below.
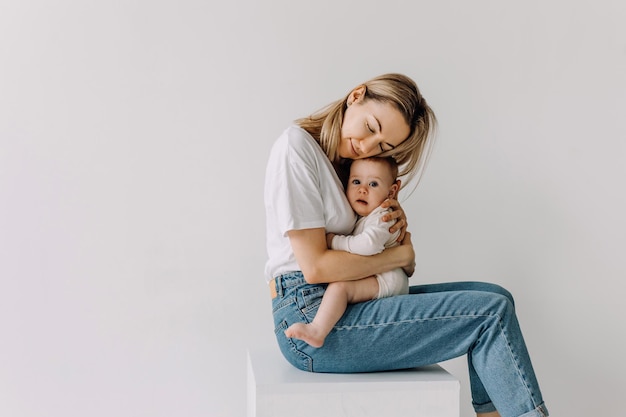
(370, 184)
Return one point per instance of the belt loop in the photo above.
(278, 282)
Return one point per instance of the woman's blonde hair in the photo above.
(401, 92)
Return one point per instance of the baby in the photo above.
(371, 181)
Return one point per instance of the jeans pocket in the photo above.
(290, 351)
(310, 300)
(280, 303)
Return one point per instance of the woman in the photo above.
(304, 198)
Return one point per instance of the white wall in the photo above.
(133, 139)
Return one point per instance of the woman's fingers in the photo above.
(397, 215)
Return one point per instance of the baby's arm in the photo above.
(370, 241)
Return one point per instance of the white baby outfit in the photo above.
(371, 236)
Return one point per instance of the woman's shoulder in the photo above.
(296, 139)
(296, 135)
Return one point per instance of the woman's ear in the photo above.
(358, 94)
(393, 190)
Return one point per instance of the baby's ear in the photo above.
(393, 190)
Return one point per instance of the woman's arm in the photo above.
(320, 264)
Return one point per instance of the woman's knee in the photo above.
(499, 303)
(497, 289)
(480, 286)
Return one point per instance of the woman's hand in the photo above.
(396, 214)
(406, 243)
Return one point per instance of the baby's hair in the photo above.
(391, 164)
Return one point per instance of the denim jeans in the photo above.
(432, 324)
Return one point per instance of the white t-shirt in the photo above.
(302, 191)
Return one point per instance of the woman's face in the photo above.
(370, 127)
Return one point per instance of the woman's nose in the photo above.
(368, 144)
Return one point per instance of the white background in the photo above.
(133, 142)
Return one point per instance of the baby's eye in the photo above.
(373, 184)
(356, 182)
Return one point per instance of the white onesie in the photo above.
(371, 236)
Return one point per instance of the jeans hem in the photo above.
(540, 411)
(484, 408)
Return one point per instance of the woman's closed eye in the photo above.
(389, 146)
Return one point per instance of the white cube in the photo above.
(277, 389)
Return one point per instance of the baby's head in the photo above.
(372, 181)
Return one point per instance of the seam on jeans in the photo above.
(515, 361)
(282, 303)
(539, 411)
(501, 333)
(395, 323)
(296, 357)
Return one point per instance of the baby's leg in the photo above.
(336, 298)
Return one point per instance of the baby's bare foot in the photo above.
(307, 332)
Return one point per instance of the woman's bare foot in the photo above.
(307, 332)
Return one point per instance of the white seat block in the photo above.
(277, 389)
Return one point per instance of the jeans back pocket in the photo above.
(310, 298)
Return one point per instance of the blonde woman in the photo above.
(304, 199)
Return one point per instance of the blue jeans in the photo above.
(432, 324)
